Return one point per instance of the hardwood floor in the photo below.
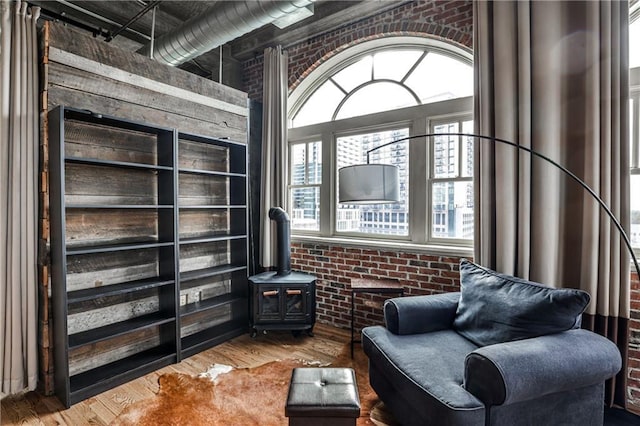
(243, 351)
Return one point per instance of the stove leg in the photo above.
(254, 333)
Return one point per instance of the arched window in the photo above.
(368, 95)
(383, 78)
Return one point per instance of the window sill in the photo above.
(432, 249)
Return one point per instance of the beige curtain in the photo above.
(18, 198)
(274, 148)
(553, 76)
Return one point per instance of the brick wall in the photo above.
(447, 20)
(335, 265)
(45, 315)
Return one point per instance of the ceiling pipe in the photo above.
(222, 23)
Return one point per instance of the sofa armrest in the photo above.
(516, 371)
(420, 314)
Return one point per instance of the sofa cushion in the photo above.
(496, 308)
(426, 371)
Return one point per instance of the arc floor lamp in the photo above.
(378, 183)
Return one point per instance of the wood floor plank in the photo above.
(41, 408)
(105, 415)
(241, 352)
(54, 408)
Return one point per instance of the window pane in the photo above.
(445, 151)
(635, 211)
(314, 167)
(355, 74)
(376, 97)
(305, 208)
(634, 44)
(395, 64)
(298, 158)
(320, 106)
(389, 219)
(440, 77)
(452, 210)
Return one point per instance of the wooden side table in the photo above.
(372, 286)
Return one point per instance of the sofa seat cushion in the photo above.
(426, 369)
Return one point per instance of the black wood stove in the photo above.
(284, 299)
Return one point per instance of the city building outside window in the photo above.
(370, 95)
(451, 181)
(304, 191)
(386, 219)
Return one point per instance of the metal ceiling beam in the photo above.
(138, 15)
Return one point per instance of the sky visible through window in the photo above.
(384, 81)
(634, 44)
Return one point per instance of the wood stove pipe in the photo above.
(283, 234)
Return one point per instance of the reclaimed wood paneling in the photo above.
(203, 222)
(86, 73)
(202, 190)
(91, 356)
(92, 184)
(145, 296)
(84, 100)
(203, 320)
(108, 312)
(70, 40)
(71, 78)
(108, 143)
(87, 227)
(201, 156)
(201, 256)
(101, 269)
(204, 289)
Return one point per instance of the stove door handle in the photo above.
(293, 292)
(270, 293)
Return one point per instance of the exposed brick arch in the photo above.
(451, 21)
(299, 70)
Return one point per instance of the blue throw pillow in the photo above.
(496, 308)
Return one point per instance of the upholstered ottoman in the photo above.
(323, 396)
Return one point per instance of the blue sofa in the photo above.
(503, 351)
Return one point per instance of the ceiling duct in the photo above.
(221, 24)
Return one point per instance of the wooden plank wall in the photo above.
(83, 72)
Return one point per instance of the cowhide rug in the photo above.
(244, 396)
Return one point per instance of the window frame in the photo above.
(291, 186)
(382, 127)
(460, 119)
(418, 119)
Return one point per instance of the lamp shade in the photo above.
(368, 184)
